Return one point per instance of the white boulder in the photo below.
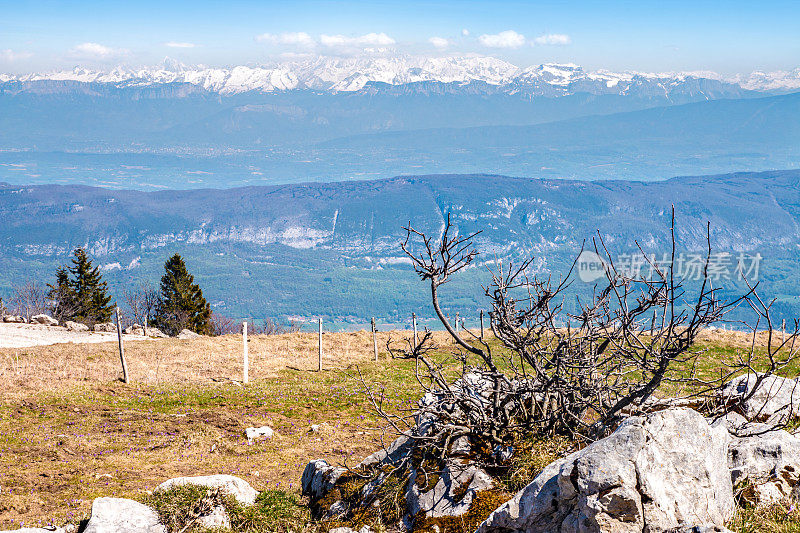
(232, 485)
(45, 320)
(319, 478)
(105, 327)
(254, 433)
(188, 334)
(14, 319)
(117, 515)
(776, 399)
(655, 473)
(764, 462)
(75, 326)
(156, 333)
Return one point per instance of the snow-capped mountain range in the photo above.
(335, 75)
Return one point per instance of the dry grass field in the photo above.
(71, 431)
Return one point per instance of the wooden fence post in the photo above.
(481, 324)
(121, 349)
(457, 321)
(414, 322)
(783, 330)
(246, 355)
(374, 339)
(319, 361)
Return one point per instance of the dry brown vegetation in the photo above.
(70, 431)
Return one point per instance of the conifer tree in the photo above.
(88, 293)
(181, 304)
(62, 296)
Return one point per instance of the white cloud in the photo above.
(370, 39)
(465, 32)
(173, 44)
(439, 42)
(299, 38)
(504, 39)
(8, 55)
(558, 39)
(96, 51)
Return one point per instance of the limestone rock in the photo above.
(156, 333)
(217, 519)
(365, 529)
(665, 470)
(46, 320)
(319, 478)
(134, 329)
(705, 528)
(453, 492)
(777, 399)
(187, 334)
(75, 326)
(391, 455)
(232, 485)
(46, 529)
(117, 515)
(254, 433)
(13, 319)
(764, 462)
(106, 327)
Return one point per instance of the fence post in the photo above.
(783, 330)
(144, 326)
(246, 355)
(374, 339)
(319, 361)
(414, 322)
(457, 321)
(481, 324)
(121, 349)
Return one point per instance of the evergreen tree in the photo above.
(181, 304)
(88, 293)
(62, 296)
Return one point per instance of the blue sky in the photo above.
(728, 37)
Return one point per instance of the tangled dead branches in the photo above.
(552, 372)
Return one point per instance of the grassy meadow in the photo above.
(71, 431)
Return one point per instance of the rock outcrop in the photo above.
(232, 485)
(655, 473)
(45, 320)
(13, 319)
(776, 399)
(187, 334)
(105, 327)
(764, 462)
(117, 515)
(319, 478)
(75, 326)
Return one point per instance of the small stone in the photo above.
(254, 433)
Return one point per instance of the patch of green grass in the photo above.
(274, 511)
(777, 518)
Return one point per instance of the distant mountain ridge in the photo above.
(333, 75)
(333, 248)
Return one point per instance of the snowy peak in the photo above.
(330, 74)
